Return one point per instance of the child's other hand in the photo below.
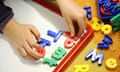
(23, 37)
(74, 15)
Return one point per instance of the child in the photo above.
(24, 37)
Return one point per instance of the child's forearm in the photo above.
(5, 14)
(61, 3)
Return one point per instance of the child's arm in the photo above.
(23, 37)
(5, 14)
(74, 16)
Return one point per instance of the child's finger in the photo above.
(31, 52)
(84, 12)
(23, 52)
(71, 27)
(35, 32)
(81, 24)
(32, 42)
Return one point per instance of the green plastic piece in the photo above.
(59, 53)
(117, 6)
(50, 62)
(116, 19)
(115, 29)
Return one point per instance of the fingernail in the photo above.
(72, 34)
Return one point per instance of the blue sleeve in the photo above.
(5, 14)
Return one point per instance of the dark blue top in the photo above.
(5, 14)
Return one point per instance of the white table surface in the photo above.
(30, 13)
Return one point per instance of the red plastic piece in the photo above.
(68, 34)
(78, 47)
(41, 51)
(69, 43)
(75, 38)
(103, 12)
(115, 0)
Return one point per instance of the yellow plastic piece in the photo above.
(111, 63)
(81, 68)
(106, 29)
(94, 19)
(96, 24)
(96, 27)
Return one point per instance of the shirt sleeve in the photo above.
(5, 14)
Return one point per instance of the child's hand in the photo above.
(23, 37)
(74, 15)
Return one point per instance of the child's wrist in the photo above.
(61, 2)
(10, 24)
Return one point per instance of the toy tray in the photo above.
(50, 5)
(79, 46)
